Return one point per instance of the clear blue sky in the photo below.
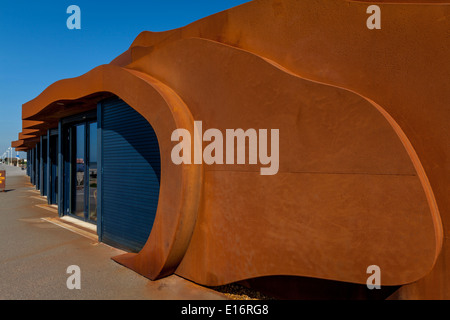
(37, 48)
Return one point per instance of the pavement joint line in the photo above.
(33, 190)
(80, 223)
(69, 226)
(39, 198)
(62, 224)
(47, 207)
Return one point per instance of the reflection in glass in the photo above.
(93, 171)
(79, 170)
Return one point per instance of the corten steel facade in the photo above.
(364, 155)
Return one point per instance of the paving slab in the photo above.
(35, 253)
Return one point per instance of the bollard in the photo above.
(2, 180)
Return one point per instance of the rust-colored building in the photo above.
(364, 149)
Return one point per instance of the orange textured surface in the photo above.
(364, 174)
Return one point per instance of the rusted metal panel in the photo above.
(364, 142)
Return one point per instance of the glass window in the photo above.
(78, 170)
(92, 213)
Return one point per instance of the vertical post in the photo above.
(28, 162)
(37, 167)
(60, 171)
(41, 166)
(49, 171)
(99, 170)
(86, 170)
(32, 166)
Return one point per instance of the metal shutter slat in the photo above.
(131, 175)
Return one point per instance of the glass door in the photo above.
(81, 170)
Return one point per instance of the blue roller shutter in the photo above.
(130, 161)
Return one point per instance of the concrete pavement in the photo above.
(35, 254)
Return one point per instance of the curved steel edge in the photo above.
(173, 251)
(186, 208)
(428, 190)
(415, 161)
(180, 185)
